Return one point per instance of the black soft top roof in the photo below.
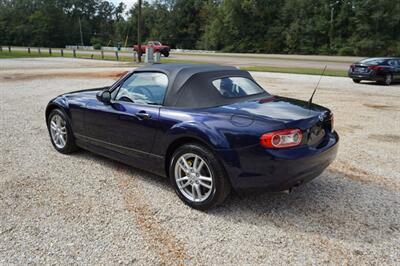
(190, 85)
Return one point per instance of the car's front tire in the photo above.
(356, 80)
(60, 131)
(166, 54)
(198, 177)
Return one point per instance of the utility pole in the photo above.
(331, 30)
(138, 31)
(80, 30)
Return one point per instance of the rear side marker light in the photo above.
(284, 138)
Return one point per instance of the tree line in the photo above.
(344, 27)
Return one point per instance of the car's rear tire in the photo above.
(166, 54)
(388, 79)
(198, 177)
(60, 132)
(356, 80)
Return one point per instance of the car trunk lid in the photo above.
(313, 120)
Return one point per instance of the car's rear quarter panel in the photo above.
(236, 142)
(213, 126)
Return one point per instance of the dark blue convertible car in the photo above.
(208, 128)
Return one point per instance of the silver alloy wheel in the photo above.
(193, 177)
(388, 79)
(58, 131)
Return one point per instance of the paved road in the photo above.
(245, 60)
(274, 60)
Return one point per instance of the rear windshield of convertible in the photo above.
(234, 87)
(373, 61)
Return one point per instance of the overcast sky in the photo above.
(128, 3)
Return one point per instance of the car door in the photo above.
(129, 123)
(394, 68)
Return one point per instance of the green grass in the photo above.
(121, 58)
(129, 58)
(21, 54)
(45, 53)
(168, 60)
(292, 70)
(295, 70)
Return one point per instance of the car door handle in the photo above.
(143, 115)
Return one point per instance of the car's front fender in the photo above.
(60, 102)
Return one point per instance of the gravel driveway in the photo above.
(85, 209)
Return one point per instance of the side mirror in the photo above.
(104, 96)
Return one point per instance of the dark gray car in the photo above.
(384, 70)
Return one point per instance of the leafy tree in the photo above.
(346, 27)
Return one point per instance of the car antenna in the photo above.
(316, 87)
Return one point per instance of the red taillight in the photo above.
(374, 67)
(284, 138)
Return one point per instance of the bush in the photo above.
(346, 51)
(96, 42)
(324, 50)
(97, 46)
(396, 51)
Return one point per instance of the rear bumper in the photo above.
(368, 76)
(278, 170)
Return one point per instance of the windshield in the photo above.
(144, 88)
(233, 87)
(373, 61)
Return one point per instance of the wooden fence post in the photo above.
(91, 56)
(62, 52)
(39, 51)
(1, 48)
(50, 51)
(9, 49)
(116, 55)
(74, 52)
(102, 55)
(29, 50)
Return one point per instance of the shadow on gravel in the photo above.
(141, 174)
(394, 84)
(332, 206)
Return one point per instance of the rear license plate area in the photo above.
(315, 134)
(360, 70)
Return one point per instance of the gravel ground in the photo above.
(85, 209)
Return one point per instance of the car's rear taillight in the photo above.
(374, 68)
(284, 138)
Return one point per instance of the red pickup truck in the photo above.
(156, 45)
